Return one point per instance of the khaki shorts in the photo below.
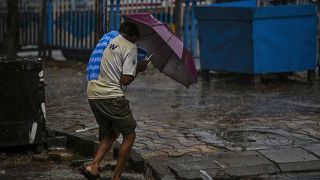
(113, 116)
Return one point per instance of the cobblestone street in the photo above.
(269, 123)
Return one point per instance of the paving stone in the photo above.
(292, 176)
(241, 159)
(194, 165)
(207, 148)
(157, 167)
(57, 141)
(300, 166)
(189, 158)
(60, 156)
(195, 174)
(42, 157)
(315, 148)
(288, 155)
(151, 153)
(188, 174)
(168, 177)
(251, 170)
(51, 133)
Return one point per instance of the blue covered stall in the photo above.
(244, 38)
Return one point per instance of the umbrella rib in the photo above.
(146, 36)
(166, 62)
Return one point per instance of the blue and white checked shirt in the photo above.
(93, 67)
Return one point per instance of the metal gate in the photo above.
(78, 24)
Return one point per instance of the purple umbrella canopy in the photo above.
(168, 53)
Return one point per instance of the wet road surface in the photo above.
(175, 121)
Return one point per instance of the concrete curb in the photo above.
(87, 147)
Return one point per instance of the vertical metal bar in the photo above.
(104, 19)
(64, 26)
(96, 17)
(151, 8)
(26, 30)
(161, 11)
(55, 24)
(88, 32)
(118, 14)
(1, 23)
(73, 17)
(186, 23)
(68, 14)
(33, 26)
(146, 4)
(166, 12)
(77, 28)
(74, 25)
(193, 28)
(111, 22)
(42, 29)
(60, 21)
(156, 9)
(49, 24)
(171, 14)
(91, 27)
(81, 25)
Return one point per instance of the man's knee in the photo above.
(130, 136)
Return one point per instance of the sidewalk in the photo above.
(228, 127)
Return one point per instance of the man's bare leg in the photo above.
(124, 153)
(104, 147)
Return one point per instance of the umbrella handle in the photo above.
(149, 57)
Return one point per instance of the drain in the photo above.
(250, 138)
(254, 138)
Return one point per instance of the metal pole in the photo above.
(111, 21)
(186, 23)
(178, 12)
(118, 15)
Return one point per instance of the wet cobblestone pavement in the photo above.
(212, 119)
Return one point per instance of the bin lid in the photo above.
(18, 63)
(245, 10)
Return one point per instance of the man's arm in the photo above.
(127, 79)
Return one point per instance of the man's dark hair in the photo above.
(129, 29)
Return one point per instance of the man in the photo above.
(118, 68)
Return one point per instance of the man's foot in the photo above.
(89, 175)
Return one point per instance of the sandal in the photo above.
(88, 174)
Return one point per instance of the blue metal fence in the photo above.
(78, 24)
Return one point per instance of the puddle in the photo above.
(255, 138)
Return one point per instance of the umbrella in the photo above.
(168, 53)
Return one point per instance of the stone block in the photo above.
(241, 159)
(157, 167)
(195, 165)
(314, 148)
(43, 157)
(288, 155)
(300, 166)
(60, 156)
(51, 133)
(58, 141)
(250, 170)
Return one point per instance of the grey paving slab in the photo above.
(252, 170)
(197, 165)
(288, 155)
(195, 174)
(314, 148)
(300, 166)
(241, 159)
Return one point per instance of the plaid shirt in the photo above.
(93, 67)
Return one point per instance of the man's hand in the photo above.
(142, 66)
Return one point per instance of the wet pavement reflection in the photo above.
(174, 120)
